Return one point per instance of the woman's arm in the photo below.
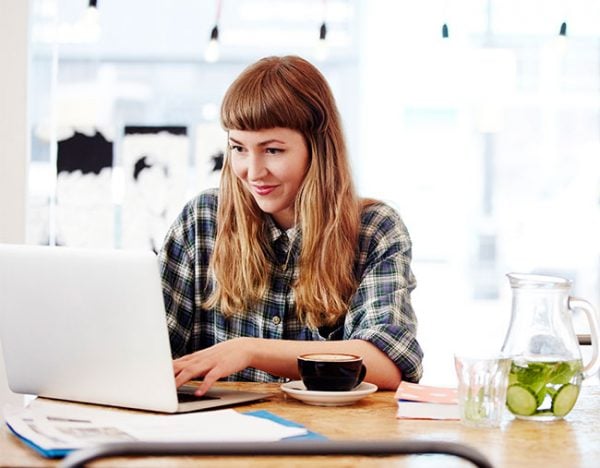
(278, 357)
(380, 312)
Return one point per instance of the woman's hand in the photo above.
(214, 363)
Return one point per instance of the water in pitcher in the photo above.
(546, 370)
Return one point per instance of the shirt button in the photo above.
(276, 320)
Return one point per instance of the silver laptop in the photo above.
(90, 326)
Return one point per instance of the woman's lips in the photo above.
(264, 189)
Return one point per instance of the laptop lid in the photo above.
(90, 326)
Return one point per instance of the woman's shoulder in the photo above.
(208, 197)
(200, 210)
(380, 215)
(207, 200)
(382, 229)
(194, 227)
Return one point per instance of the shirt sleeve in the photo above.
(177, 270)
(381, 310)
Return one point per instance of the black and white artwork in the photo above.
(154, 160)
(211, 142)
(84, 208)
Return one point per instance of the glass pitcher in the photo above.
(547, 369)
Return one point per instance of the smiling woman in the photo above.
(271, 163)
(285, 259)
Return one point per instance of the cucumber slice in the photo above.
(521, 400)
(565, 399)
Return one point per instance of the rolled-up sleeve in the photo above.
(381, 311)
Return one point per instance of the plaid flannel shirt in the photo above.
(380, 311)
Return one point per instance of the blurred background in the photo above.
(479, 120)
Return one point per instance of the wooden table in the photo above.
(573, 442)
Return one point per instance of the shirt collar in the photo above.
(276, 233)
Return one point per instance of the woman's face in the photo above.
(271, 164)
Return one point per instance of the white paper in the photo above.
(60, 430)
(213, 426)
(57, 426)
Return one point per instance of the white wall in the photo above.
(14, 142)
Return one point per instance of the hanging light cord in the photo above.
(214, 34)
(323, 28)
(211, 53)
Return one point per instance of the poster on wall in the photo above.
(154, 160)
(211, 142)
(84, 208)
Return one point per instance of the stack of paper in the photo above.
(54, 429)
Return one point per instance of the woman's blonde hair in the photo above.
(289, 92)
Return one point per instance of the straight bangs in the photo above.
(263, 97)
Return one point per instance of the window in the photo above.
(487, 142)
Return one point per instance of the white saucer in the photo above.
(296, 389)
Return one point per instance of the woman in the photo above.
(285, 259)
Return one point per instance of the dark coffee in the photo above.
(334, 372)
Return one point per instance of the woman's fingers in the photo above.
(190, 371)
(194, 366)
(184, 376)
(209, 379)
(187, 361)
(218, 361)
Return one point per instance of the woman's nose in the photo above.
(256, 167)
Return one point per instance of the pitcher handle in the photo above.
(593, 366)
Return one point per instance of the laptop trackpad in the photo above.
(185, 394)
(187, 397)
(215, 398)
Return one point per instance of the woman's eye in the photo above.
(273, 150)
(236, 148)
